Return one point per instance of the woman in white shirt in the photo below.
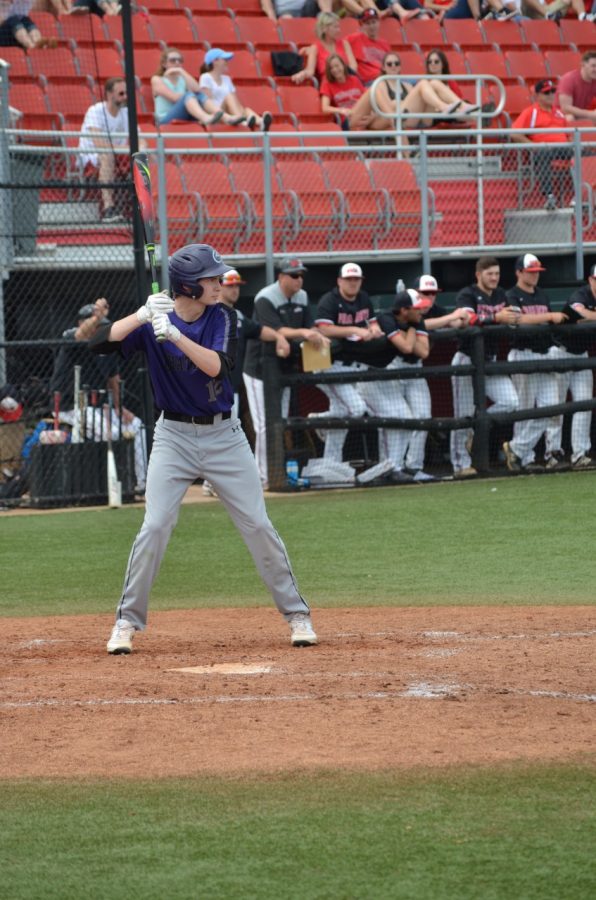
(219, 87)
(177, 95)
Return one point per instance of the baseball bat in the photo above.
(142, 181)
(114, 486)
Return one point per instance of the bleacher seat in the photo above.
(284, 134)
(146, 62)
(517, 98)
(529, 65)
(398, 179)
(482, 63)
(198, 6)
(162, 6)
(457, 62)
(544, 33)
(18, 61)
(70, 100)
(505, 35)
(298, 31)
(28, 97)
(100, 62)
(56, 63)
(223, 137)
(350, 25)
(218, 31)
(300, 99)
(465, 33)
(259, 31)
(366, 206)
(561, 61)
(260, 97)
(174, 30)
(412, 62)
(223, 214)
(582, 34)
(247, 176)
(243, 66)
(48, 25)
(337, 138)
(84, 30)
(320, 210)
(427, 33)
(252, 7)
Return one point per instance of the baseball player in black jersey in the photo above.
(346, 314)
(406, 332)
(283, 306)
(484, 304)
(538, 388)
(247, 329)
(581, 307)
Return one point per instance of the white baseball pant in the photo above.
(344, 400)
(580, 384)
(499, 389)
(416, 393)
(385, 398)
(534, 391)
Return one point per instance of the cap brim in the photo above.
(534, 269)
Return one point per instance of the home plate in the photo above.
(226, 669)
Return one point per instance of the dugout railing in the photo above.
(284, 432)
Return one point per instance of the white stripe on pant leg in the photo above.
(256, 404)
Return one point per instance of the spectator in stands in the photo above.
(580, 308)
(410, 9)
(177, 94)
(99, 373)
(17, 29)
(539, 115)
(99, 8)
(283, 306)
(328, 42)
(484, 303)
(435, 316)
(369, 50)
(219, 88)
(105, 127)
(436, 63)
(340, 90)
(475, 9)
(557, 9)
(576, 93)
(536, 389)
(417, 100)
(290, 9)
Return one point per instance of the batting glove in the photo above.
(155, 305)
(163, 329)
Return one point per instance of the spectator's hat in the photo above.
(217, 53)
(291, 265)
(86, 311)
(350, 270)
(232, 277)
(368, 14)
(528, 263)
(410, 299)
(592, 272)
(545, 86)
(426, 284)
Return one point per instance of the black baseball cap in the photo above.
(291, 265)
(86, 311)
(545, 86)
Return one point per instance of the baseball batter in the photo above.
(189, 340)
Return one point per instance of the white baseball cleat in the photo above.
(121, 638)
(302, 632)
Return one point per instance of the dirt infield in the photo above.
(385, 688)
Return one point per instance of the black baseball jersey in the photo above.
(333, 309)
(247, 330)
(536, 303)
(95, 370)
(273, 308)
(390, 326)
(578, 342)
(485, 306)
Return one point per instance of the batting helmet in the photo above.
(191, 263)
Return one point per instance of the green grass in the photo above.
(505, 541)
(511, 833)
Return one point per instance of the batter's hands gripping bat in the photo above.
(114, 486)
(142, 181)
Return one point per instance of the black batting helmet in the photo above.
(191, 263)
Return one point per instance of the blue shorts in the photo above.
(461, 10)
(178, 109)
(10, 26)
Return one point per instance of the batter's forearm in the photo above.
(123, 327)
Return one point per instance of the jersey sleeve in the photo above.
(327, 308)
(266, 313)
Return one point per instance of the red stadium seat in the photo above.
(412, 62)
(527, 64)
(243, 66)
(252, 7)
(84, 30)
(218, 31)
(350, 25)
(19, 63)
(366, 207)
(390, 31)
(199, 6)
(504, 35)
(260, 97)
(481, 63)
(544, 33)
(174, 30)
(28, 98)
(71, 100)
(457, 62)
(424, 32)
(464, 33)
(300, 99)
(146, 60)
(298, 31)
(101, 62)
(263, 58)
(258, 31)
(337, 137)
(47, 24)
(320, 210)
(247, 177)
(398, 179)
(55, 63)
(582, 34)
(561, 61)
(223, 214)
(517, 97)
(141, 30)
(222, 137)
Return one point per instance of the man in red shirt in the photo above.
(368, 49)
(576, 94)
(540, 115)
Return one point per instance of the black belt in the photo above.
(195, 420)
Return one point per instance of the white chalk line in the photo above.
(421, 690)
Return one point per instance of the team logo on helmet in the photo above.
(217, 257)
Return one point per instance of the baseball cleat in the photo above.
(584, 462)
(512, 460)
(302, 632)
(121, 637)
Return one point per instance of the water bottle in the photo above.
(399, 286)
(292, 472)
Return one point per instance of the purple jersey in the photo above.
(178, 385)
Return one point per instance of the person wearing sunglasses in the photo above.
(104, 128)
(178, 96)
(539, 115)
(416, 100)
(283, 306)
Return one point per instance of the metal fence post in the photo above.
(268, 212)
(480, 455)
(424, 210)
(577, 186)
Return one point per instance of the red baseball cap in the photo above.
(368, 14)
